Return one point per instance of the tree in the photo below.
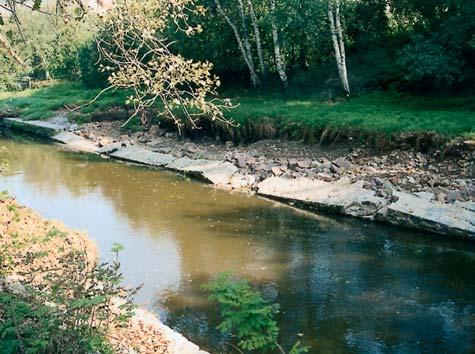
(138, 55)
(338, 43)
(64, 8)
(279, 61)
(242, 40)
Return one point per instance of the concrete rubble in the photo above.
(323, 185)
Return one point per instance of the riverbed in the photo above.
(345, 286)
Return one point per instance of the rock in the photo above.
(241, 163)
(191, 148)
(251, 161)
(342, 196)
(387, 187)
(412, 211)
(311, 174)
(145, 138)
(343, 164)
(154, 130)
(304, 164)
(164, 150)
(292, 163)
(453, 195)
(169, 135)
(335, 169)
(13, 284)
(240, 181)
(104, 141)
(325, 177)
(110, 148)
(277, 171)
(469, 144)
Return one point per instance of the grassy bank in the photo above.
(378, 112)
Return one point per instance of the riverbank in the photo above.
(428, 192)
(380, 118)
(30, 243)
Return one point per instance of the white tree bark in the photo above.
(279, 62)
(338, 43)
(245, 35)
(257, 34)
(244, 46)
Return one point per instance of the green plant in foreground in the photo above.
(67, 310)
(246, 315)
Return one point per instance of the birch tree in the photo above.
(243, 43)
(279, 61)
(338, 43)
(257, 34)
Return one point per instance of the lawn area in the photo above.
(42, 103)
(378, 112)
(375, 112)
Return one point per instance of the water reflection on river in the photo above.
(349, 287)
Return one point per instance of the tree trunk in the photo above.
(245, 35)
(279, 63)
(338, 44)
(257, 33)
(242, 46)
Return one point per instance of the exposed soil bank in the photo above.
(22, 227)
(403, 187)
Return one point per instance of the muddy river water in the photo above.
(344, 286)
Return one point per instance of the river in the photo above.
(344, 286)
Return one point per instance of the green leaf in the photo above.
(117, 247)
(37, 4)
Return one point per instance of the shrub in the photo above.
(426, 61)
(246, 314)
(91, 76)
(69, 309)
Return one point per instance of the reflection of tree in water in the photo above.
(344, 285)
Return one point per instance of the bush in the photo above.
(69, 309)
(246, 315)
(91, 76)
(426, 61)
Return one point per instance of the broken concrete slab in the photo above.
(36, 127)
(142, 156)
(419, 213)
(342, 197)
(75, 142)
(215, 172)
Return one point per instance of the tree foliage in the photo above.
(137, 53)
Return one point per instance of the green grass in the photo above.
(378, 112)
(41, 104)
